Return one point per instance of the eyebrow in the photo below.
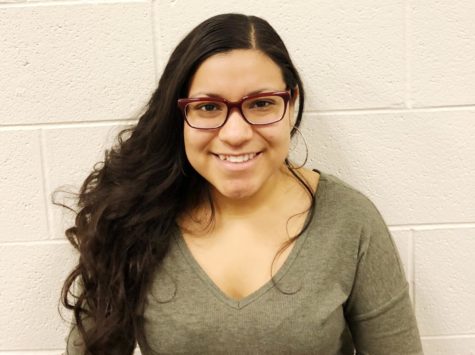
(210, 94)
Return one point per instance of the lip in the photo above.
(231, 166)
(235, 154)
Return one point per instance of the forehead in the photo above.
(236, 73)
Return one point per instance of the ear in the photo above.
(293, 100)
(295, 94)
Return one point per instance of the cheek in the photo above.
(283, 142)
(195, 144)
(279, 136)
(191, 146)
(285, 145)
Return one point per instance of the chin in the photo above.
(237, 192)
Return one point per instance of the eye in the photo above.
(208, 107)
(262, 103)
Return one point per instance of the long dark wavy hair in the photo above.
(129, 204)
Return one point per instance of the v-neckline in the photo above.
(253, 296)
(222, 296)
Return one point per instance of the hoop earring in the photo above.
(290, 164)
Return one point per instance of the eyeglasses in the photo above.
(211, 113)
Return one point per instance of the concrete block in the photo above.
(22, 203)
(75, 62)
(441, 52)
(449, 346)
(31, 276)
(350, 54)
(403, 241)
(445, 287)
(70, 154)
(417, 167)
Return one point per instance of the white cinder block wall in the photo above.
(390, 109)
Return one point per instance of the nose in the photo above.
(236, 131)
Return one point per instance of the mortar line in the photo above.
(24, 3)
(453, 336)
(154, 40)
(412, 266)
(36, 242)
(56, 125)
(45, 184)
(431, 226)
(31, 352)
(43, 351)
(425, 109)
(408, 54)
(159, 47)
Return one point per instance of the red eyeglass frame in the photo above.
(182, 103)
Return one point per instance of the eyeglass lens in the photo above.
(211, 114)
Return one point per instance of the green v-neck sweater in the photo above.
(342, 288)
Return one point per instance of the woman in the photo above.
(198, 235)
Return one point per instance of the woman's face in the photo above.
(263, 149)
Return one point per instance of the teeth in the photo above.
(237, 158)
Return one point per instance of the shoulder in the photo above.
(359, 223)
(347, 219)
(342, 199)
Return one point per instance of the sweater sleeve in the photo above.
(379, 310)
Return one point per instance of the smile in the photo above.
(237, 158)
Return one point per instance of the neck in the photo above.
(268, 197)
(258, 209)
